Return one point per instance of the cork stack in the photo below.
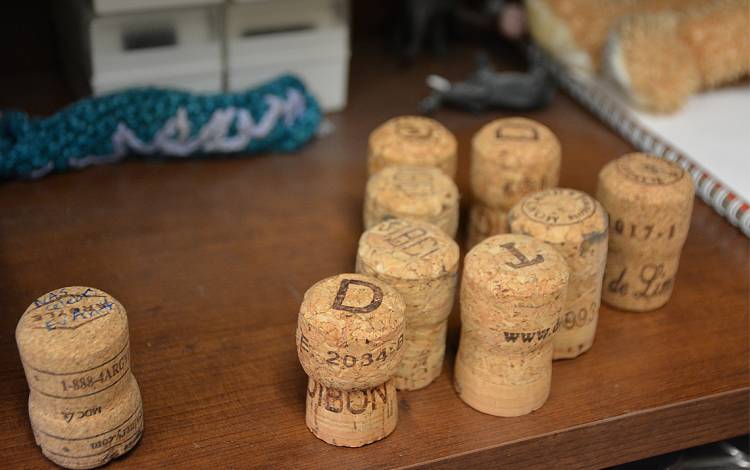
(350, 336)
(510, 158)
(512, 295)
(576, 225)
(650, 202)
(412, 140)
(421, 263)
(412, 192)
(84, 403)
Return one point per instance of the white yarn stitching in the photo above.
(174, 139)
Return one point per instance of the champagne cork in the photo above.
(84, 403)
(412, 192)
(484, 222)
(512, 296)
(412, 140)
(650, 202)
(510, 158)
(576, 225)
(350, 336)
(421, 263)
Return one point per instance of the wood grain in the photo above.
(210, 259)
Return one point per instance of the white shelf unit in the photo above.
(110, 7)
(215, 45)
(309, 38)
(173, 48)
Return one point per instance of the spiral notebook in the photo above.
(709, 137)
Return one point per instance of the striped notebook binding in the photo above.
(732, 207)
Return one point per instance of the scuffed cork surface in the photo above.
(84, 403)
(650, 203)
(421, 263)
(576, 225)
(412, 192)
(484, 222)
(412, 140)
(402, 249)
(511, 267)
(88, 432)
(56, 326)
(350, 331)
(510, 158)
(512, 296)
(350, 337)
(351, 418)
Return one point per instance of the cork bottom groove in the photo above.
(351, 418)
(507, 400)
(424, 351)
(576, 336)
(578, 328)
(88, 432)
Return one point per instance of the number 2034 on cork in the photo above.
(650, 202)
(350, 337)
(84, 403)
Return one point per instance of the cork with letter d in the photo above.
(350, 336)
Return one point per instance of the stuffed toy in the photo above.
(660, 59)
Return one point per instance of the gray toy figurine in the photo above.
(487, 88)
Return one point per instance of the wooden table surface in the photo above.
(211, 259)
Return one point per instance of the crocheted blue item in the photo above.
(277, 116)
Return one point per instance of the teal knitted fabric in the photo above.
(278, 116)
